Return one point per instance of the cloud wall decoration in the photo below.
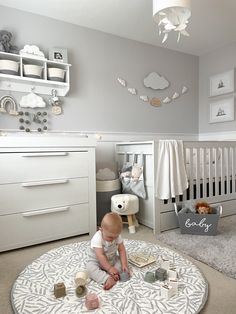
(32, 101)
(155, 81)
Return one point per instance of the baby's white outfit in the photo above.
(110, 248)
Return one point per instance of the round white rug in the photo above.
(32, 291)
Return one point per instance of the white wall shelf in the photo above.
(43, 85)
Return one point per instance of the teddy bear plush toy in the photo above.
(5, 42)
(136, 172)
(203, 208)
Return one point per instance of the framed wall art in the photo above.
(58, 54)
(222, 83)
(222, 110)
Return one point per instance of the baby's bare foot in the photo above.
(109, 283)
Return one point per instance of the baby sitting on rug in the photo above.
(104, 264)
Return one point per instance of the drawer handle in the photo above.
(39, 183)
(46, 211)
(44, 154)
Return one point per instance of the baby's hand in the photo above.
(125, 268)
(114, 273)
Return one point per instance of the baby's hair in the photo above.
(112, 222)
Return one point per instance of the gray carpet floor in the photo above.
(217, 251)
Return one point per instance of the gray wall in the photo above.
(96, 101)
(219, 61)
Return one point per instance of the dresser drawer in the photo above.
(18, 230)
(22, 197)
(22, 167)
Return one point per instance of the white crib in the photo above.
(211, 169)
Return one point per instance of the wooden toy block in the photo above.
(80, 282)
(172, 273)
(174, 284)
(124, 276)
(165, 264)
(161, 274)
(81, 275)
(91, 301)
(59, 290)
(80, 287)
(80, 291)
(167, 291)
(150, 277)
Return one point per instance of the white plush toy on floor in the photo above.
(127, 205)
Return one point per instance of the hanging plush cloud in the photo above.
(32, 101)
(155, 81)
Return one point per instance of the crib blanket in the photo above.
(171, 173)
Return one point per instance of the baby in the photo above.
(104, 264)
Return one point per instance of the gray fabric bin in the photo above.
(199, 224)
(105, 190)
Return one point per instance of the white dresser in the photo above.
(47, 189)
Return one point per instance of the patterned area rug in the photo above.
(32, 291)
(217, 251)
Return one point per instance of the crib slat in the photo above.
(217, 162)
(204, 171)
(211, 167)
(191, 173)
(185, 192)
(230, 170)
(222, 171)
(227, 171)
(233, 168)
(198, 171)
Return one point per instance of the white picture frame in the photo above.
(222, 83)
(58, 54)
(222, 110)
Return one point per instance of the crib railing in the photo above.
(211, 171)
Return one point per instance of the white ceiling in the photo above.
(212, 24)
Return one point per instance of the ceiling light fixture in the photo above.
(171, 15)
